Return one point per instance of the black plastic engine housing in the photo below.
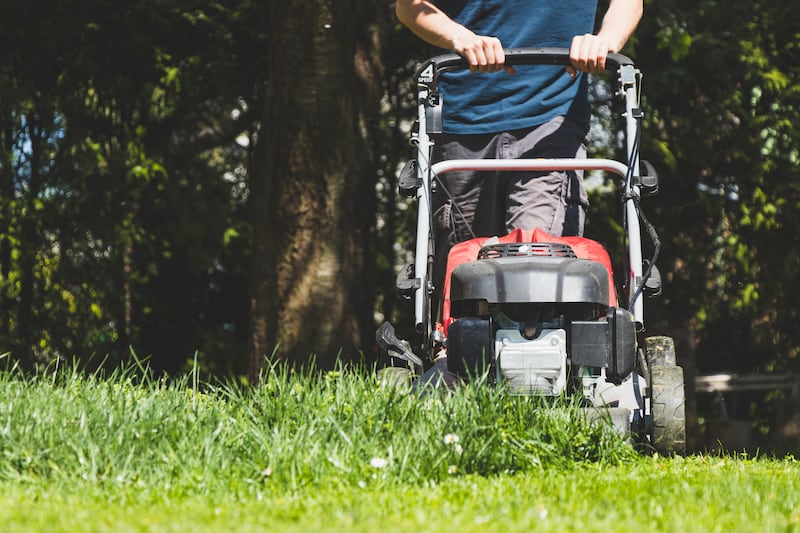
(609, 344)
(531, 280)
(470, 347)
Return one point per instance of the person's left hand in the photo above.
(588, 54)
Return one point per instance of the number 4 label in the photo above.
(426, 76)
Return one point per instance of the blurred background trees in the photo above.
(216, 181)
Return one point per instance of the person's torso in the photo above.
(487, 103)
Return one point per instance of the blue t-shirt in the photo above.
(495, 102)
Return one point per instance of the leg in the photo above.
(555, 201)
(466, 203)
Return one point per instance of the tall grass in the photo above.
(341, 452)
(292, 432)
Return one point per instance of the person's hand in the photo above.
(484, 54)
(588, 53)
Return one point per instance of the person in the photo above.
(497, 110)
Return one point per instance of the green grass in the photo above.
(339, 451)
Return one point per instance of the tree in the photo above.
(312, 181)
(721, 87)
(118, 227)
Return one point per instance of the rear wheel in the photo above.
(668, 410)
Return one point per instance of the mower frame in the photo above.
(429, 122)
(653, 394)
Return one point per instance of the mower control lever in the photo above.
(387, 340)
(652, 285)
(407, 181)
(649, 179)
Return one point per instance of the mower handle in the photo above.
(514, 57)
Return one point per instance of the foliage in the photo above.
(121, 207)
(722, 85)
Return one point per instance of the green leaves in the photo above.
(113, 198)
(675, 40)
(721, 81)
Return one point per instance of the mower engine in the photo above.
(532, 366)
(534, 314)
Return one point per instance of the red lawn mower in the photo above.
(536, 312)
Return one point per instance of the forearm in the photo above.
(431, 24)
(483, 53)
(588, 52)
(619, 23)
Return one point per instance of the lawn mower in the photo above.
(536, 312)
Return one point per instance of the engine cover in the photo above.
(531, 280)
(532, 366)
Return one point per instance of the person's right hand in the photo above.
(588, 53)
(484, 54)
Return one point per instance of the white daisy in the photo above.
(378, 462)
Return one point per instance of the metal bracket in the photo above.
(433, 113)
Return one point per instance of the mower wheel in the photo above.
(660, 351)
(668, 409)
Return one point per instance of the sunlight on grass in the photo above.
(338, 451)
(292, 431)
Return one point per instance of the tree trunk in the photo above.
(29, 244)
(6, 195)
(312, 192)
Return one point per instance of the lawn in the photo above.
(340, 452)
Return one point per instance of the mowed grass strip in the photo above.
(695, 494)
(339, 451)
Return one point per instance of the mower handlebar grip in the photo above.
(514, 56)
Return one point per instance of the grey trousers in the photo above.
(471, 204)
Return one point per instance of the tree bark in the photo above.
(312, 193)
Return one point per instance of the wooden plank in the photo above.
(712, 383)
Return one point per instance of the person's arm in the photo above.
(483, 53)
(588, 52)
